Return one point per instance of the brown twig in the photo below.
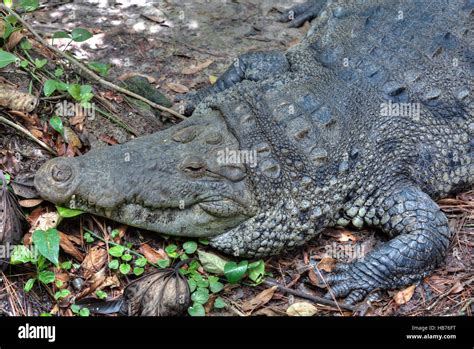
(315, 299)
(89, 72)
(26, 133)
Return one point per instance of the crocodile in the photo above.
(364, 124)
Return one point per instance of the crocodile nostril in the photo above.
(194, 166)
(61, 172)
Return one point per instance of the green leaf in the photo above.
(61, 35)
(197, 310)
(101, 294)
(7, 58)
(200, 296)
(114, 233)
(214, 285)
(125, 268)
(47, 243)
(114, 264)
(84, 312)
(21, 254)
(8, 30)
(40, 63)
(138, 271)
(59, 283)
(68, 212)
(46, 315)
(212, 263)
(75, 91)
(75, 308)
(66, 265)
(219, 303)
(29, 285)
(127, 257)
(116, 251)
(257, 271)
(29, 5)
(57, 124)
(23, 64)
(190, 247)
(141, 262)
(62, 294)
(88, 237)
(192, 285)
(25, 45)
(49, 87)
(171, 250)
(101, 68)
(199, 279)
(163, 263)
(204, 241)
(58, 72)
(46, 277)
(80, 35)
(235, 272)
(8, 3)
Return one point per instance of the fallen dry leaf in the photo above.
(178, 88)
(301, 309)
(46, 221)
(63, 277)
(71, 138)
(260, 299)
(11, 98)
(110, 281)
(346, 236)
(404, 296)
(458, 287)
(152, 255)
(14, 39)
(67, 246)
(94, 261)
(197, 68)
(327, 264)
(37, 133)
(77, 119)
(30, 202)
(212, 79)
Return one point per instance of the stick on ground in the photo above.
(86, 70)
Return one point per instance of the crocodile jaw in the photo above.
(170, 182)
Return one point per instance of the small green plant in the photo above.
(76, 309)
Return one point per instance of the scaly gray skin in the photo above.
(327, 154)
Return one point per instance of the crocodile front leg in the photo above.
(252, 66)
(422, 239)
(297, 15)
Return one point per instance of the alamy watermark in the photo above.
(68, 109)
(345, 252)
(230, 156)
(410, 110)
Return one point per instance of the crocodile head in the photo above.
(177, 181)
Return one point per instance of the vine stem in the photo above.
(86, 70)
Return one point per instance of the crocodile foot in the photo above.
(297, 15)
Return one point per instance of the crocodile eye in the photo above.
(213, 138)
(61, 173)
(185, 135)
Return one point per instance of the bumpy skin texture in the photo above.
(331, 148)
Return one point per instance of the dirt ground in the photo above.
(165, 41)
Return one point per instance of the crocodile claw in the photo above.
(352, 282)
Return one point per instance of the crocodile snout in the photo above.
(57, 180)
